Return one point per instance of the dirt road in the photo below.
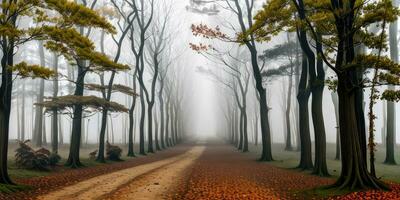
(149, 181)
(206, 171)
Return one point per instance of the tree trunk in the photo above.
(236, 129)
(112, 130)
(18, 117)
(176, 124)
(142, 120)
(265, 128)
(289, 146)
(38, 135)
(150, 127)
(256, 128)
(23, 129)
(5, 109)
(240, 147)
(172, 131)
(318, 79)
(168, 142)
(44, 135)
(54, 117)
(158, 147)
(131, 124)
(384, 119)
(335, 101)
(100, 154)
(60, 130)
(245, 134)
(131, 152)
(73, 158)
(162, 114)
(391, 107)
(302, 98)
(354, 174)
(297, 111)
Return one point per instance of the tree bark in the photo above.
(168, 141)
(266, 154)
(245, 133)
(318, 79)
(156, 128)
(23, 129)
(38, 135)
(289, 146)
(5, 107)
(172, 132)
(54, 118)
(162, 116)
(391, 107)
(150, 127)
(100, 154)
(73, 158)
(240, 147)
(141, 123)
(302, 98)
(60, 130)
(335, 101)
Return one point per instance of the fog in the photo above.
(204, 99)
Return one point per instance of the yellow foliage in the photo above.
(35, 71)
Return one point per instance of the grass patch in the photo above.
(322, 192)
(5, 188)
(290, 159)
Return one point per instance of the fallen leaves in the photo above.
(222, 173)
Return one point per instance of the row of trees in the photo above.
(85, 76)
(347, 37)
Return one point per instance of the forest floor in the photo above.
(209, 170)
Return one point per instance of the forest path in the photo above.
(148, 181)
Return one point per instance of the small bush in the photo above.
(54, 159)
(113, 152)
(93, 154)
(27, 157)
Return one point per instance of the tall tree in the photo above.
(58, 34)
(143, 25)
(348, 21)
(243, 11)
(124, 23)
(54, 117)
(391, 107)
(38, 130)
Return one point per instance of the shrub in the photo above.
(54, 159)
(27, 157)
(113, 152)
(93, 154)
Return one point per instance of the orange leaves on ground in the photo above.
(222, 173)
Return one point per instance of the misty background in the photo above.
(203, 98)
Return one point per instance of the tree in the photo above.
(39, 129)
(347, 28)
(158, 42)
(286, 51)
(237, 83)
(58, 35)
(143, 25)
(391, 108)
(125, 21)
(244, 13)
(80, 49)
(54, 119)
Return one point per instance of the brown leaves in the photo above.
(222, 173)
